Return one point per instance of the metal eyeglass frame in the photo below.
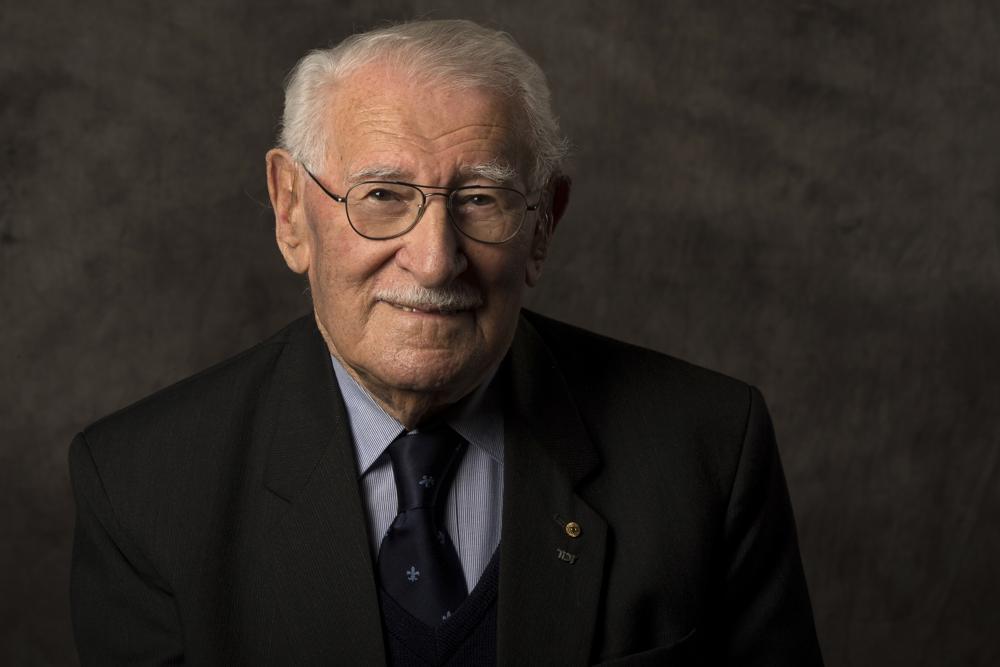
(423, 205)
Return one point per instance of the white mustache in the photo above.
(457, 296)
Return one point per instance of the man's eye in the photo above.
(483, 200)
(477, 200)
(380, 194)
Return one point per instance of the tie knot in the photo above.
(424, 464)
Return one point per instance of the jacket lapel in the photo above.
(551, 575)
(321, 566)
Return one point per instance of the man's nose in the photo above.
(432, 250)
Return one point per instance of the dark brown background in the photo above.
(800, 193)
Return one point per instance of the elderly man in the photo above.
(420, 472)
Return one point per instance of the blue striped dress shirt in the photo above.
(473, 510)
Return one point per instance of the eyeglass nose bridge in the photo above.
(426, 202)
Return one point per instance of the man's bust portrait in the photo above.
(420, 472)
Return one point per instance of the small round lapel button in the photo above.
(573, 529)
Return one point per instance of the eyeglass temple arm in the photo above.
(336, 198)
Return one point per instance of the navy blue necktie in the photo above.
(417, 563)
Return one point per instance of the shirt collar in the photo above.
(478, 418)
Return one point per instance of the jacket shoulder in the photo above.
(187, 435)
(203, 397)
(645, 409)
(587, 358)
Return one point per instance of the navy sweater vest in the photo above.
(467, 637)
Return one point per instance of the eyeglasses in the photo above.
(380, 210)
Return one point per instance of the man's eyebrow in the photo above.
(498, 171)
(376, 172)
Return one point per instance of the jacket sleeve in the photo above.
(123, 611)
(765, 600)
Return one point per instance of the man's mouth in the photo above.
(424, 309)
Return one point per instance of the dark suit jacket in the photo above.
(219, 522)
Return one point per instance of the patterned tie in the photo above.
(417, 563)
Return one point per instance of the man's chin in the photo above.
(431, 370)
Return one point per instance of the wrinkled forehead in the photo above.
(388, 122)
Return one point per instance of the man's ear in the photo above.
(290, 229)
(557, 193)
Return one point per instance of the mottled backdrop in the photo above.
(800, 193)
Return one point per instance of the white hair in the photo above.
(455, 53)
